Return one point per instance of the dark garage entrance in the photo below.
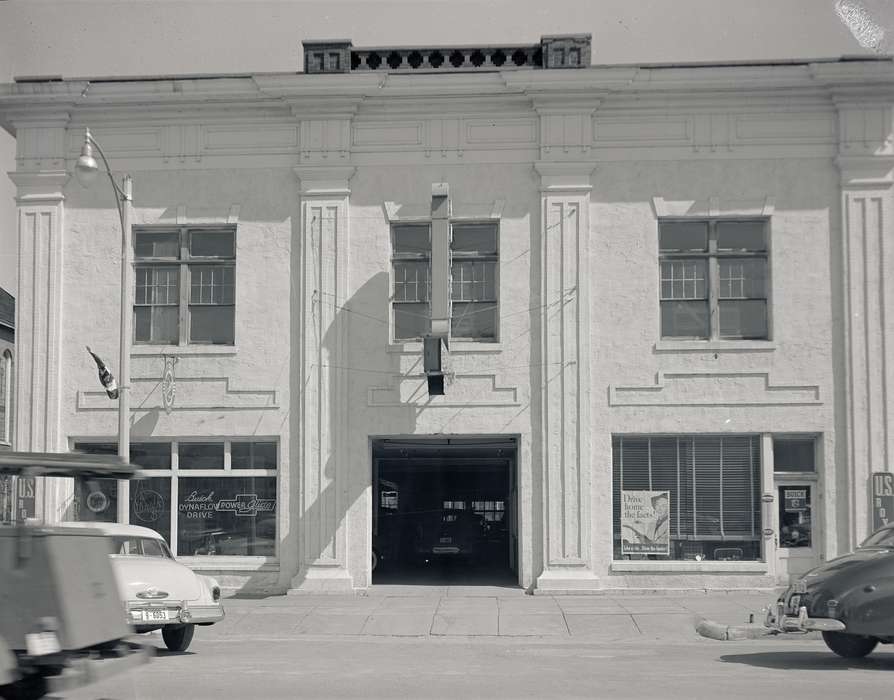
(445, 511)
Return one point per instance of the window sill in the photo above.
(230, 563)
(687, 566)
(672, 346)
(181, 350)
(457, 347)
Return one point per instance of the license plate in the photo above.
(445, 550)
(446, 540)
(155, 615)
(41, 643)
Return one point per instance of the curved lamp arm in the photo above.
(122, 195)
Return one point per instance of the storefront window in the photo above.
(201, 455)
(235, 516)
(150, 504)
(232, 513)
(687, 497)
(95, 500)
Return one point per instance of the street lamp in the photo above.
(86, 170)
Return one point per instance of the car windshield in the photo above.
(140, 547)
(881, 538)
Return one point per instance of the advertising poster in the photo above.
(645, 525)
(882, 499)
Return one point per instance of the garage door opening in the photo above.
(445, 511)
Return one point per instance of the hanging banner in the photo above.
(645, 524)
(882, 499)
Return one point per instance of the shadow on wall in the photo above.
(328, 489)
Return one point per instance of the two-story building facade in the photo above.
(669, 365)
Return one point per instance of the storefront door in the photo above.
(798, 536)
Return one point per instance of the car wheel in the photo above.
(849, 646)
(177, 637)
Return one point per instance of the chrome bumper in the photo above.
(779, 621)
(176, 613)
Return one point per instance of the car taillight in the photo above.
(215, 594)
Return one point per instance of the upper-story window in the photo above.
(714, 279)
(185, 285)
(474, 285)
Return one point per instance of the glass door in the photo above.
(797, 537)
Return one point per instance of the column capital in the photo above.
(323, 181)
(866, 172)
(39, 187)
(564, 176)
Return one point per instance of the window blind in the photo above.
(714, 482)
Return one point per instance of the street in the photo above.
(389, 667)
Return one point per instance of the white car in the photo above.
(158, 592)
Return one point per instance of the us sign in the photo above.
(882, 499)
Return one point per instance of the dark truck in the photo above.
(61, 617)
(850, 600)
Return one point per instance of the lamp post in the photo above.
(86, 170)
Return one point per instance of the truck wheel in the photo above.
(177, 637)
(849, 646)
(30, 687)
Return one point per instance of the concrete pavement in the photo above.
(482, 611)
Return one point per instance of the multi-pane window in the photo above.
(185, 288)
(473, 289)
(692, 497)
(713, 277)
(214, 497)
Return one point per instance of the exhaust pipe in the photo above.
(729, 633)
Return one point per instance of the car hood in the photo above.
(846, 564)
(139, 574)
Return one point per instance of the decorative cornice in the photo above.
(323, 181)
(39, 187)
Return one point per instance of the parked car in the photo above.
(159, 592)
(849, 599)
(450, 534)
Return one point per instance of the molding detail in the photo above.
(566, 177)
(714, 389)
(466, 390)
(193, 394)
(866, 172)
(322, 181)
(396, 212)
(712, 206)
(39, 187)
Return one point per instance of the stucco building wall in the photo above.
(577, 168)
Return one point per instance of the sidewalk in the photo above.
(481, 611)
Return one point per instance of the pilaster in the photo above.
(38, 321)
(564, 380)
(868, 295)
(323, 410)
(866, 164)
